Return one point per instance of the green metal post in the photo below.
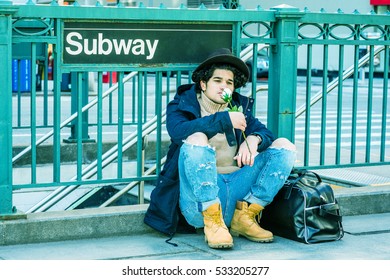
(283, 72)
(6, 12)
(75, 92)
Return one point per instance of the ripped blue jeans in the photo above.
(202, 186)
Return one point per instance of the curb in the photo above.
(75, 224)
(363, 200)
(128, 220)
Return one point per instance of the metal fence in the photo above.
(74, 128)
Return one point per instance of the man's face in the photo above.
(214, 87)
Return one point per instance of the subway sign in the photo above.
(146, 44)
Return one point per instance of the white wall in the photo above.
(347, 6)
(314, 5)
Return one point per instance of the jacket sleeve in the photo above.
(254, 126)
(183, 123)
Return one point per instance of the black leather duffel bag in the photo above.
(304, 210)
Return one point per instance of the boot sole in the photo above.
(219, 245)
(259, 240)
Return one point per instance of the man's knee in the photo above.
(198, 138)
(284, 143)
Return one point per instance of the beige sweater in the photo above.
(224, 153)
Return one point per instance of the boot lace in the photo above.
(254, 216)
(216, 219)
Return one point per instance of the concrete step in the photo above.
(360, 190)
(25, 198)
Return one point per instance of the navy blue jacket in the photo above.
(183, 120)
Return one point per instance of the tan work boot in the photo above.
(216, 233)
(244, 223)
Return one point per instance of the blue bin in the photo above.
(14, 75)
(65, 82)
(21, 75)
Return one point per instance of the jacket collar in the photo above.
(189, 102)
(188, 99)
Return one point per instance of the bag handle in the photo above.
(302, 173)
(293, 180)
(325, 211)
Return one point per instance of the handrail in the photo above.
(91, 169)
(74, 116)
(130, 186)
(347, 73)
(247, 53)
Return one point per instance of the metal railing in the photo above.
(124, 113)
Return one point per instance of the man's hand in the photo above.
(238, 120)
(247, 156)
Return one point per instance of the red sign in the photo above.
(380, 2)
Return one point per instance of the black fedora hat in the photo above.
(222, 56)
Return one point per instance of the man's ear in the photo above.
(203, 85)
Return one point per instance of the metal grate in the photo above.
(207, 3)
(352, 177)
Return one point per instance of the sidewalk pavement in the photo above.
(363, 253)
(367, 237)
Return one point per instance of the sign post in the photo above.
(6, 12)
